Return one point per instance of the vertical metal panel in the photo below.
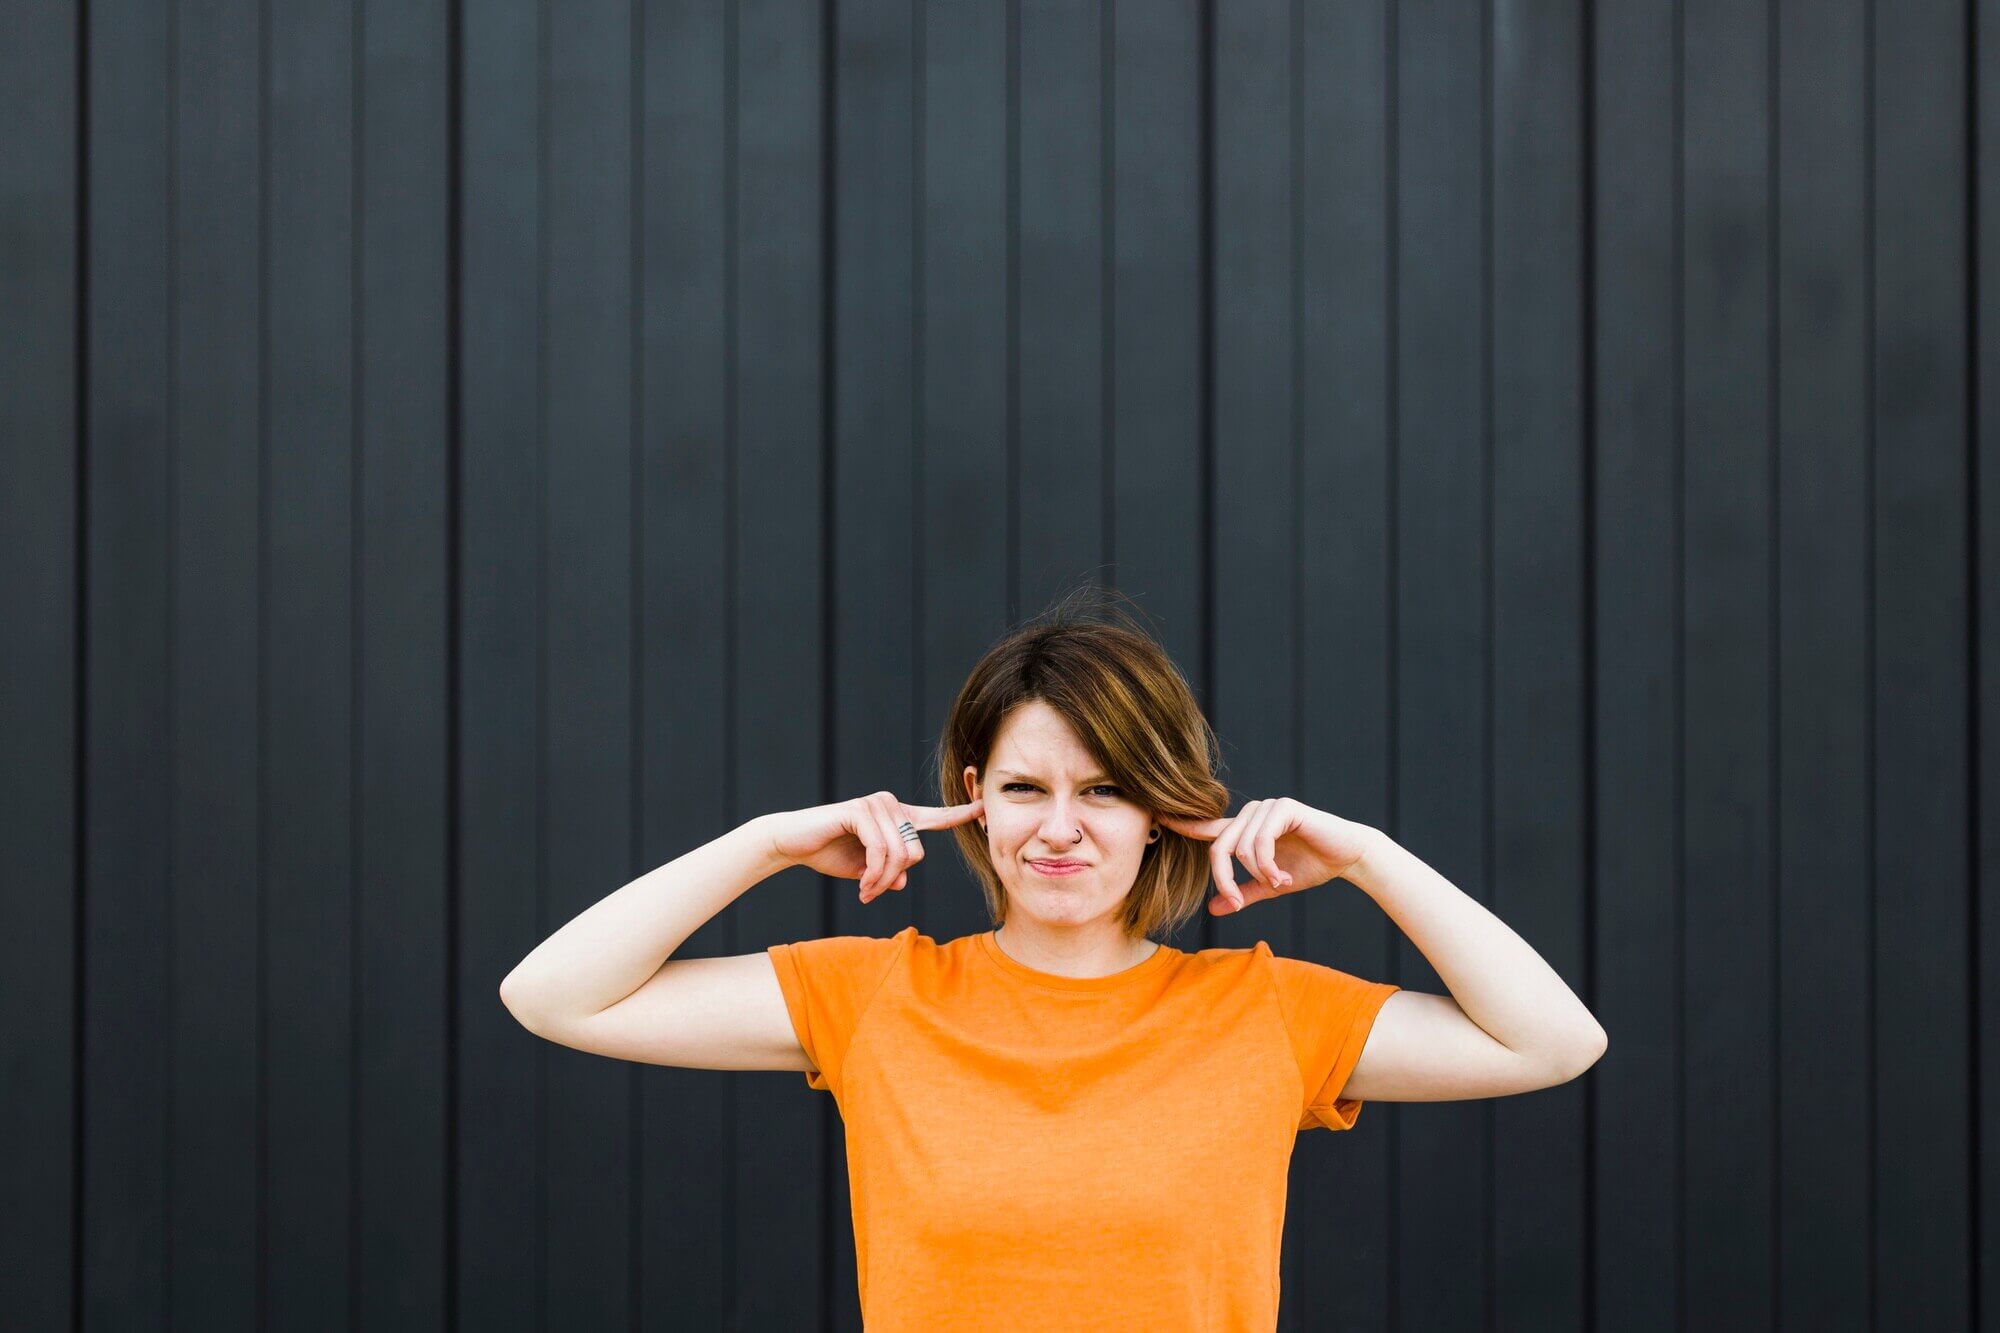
(1062, 450)
(1982, 291)
(683, 554)
(309, 648)
(214, 548)
(1156, 327)
(40, 545)
(499, 689)
(403, 1131)
(1539, 631)
(1819, 707)
(127, 670)
(1441, 766)
(1635, 702)
(1920, 1083)
(586, 619)
(1339, 1260)
(1728, 663)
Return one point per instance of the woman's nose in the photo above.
(1059, 828)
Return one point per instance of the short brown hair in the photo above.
(1131, 708)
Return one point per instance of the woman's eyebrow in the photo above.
(1010, 773)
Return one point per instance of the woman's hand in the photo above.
(1285, 844)
(858, 839)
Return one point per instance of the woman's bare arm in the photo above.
(614, 946)
(1511, 1024)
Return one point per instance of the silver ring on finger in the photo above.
(909, 831)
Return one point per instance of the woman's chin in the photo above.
(1059, 904)
(1058, 900)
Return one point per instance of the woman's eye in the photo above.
(1024, 786)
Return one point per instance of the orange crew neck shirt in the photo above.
(1029, 1150)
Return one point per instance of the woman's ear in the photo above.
(972, 788)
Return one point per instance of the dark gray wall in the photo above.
(461, 456)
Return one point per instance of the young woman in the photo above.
(1061, 1122)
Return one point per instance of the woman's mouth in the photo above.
(1057, 869)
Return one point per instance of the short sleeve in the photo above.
(1329, 1014)
(827, 984)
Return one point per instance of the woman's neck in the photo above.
(1070, 952)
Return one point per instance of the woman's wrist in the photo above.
(1367, 868)
(761, 832)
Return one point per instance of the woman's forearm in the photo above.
(615, 945)
(1500, 982)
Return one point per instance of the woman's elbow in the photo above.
(1590, 1053)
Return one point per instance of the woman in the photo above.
(1060, 1122)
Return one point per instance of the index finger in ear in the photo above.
(944, 816)
(1195, 828)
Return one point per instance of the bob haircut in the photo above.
(1131, 709)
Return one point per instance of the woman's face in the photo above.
(1041, 788)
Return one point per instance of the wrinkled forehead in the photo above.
(1036, 741)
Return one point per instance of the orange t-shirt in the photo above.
(1027, 1150)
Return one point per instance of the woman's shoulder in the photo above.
(833, 955)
